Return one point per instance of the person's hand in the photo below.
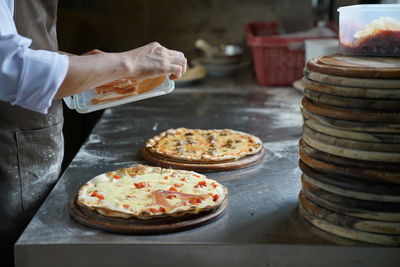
(92, 52)
(154, 60)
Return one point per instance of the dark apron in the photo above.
(31, 144)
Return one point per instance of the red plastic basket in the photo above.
(277, 60)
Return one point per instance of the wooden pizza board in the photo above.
(378, 191)
(359, 67)
(137, 226)
(369, 137)
(370, 127)
(379, 105)
(204, 167)
(329, 139)
(361, 224)
(350, 114)
(345, 162)
(335, 149)
(351, 82)
(341, 225)
(349, 193)
(356, 92)
(374, 210)
(364, 174)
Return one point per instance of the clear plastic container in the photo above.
(82, 102)
(370, 30)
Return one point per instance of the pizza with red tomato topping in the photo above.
(203, 150)
(146, 192)
(124, 88)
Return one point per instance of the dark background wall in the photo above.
(121, 25)
(125, 24)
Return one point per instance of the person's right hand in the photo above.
(154, 60)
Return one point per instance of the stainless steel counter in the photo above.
(262, 226)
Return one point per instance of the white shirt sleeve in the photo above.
(28, 78)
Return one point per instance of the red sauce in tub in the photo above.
(381, 43)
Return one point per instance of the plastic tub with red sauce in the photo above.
(370, 30)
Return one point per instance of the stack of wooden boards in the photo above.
(350, 147)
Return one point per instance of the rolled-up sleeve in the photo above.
(28, 78)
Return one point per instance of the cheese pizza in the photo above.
(197, 145)
(146, 192)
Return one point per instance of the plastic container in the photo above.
(278, 60)
(82, 102)
(370, 30)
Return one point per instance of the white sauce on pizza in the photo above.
(146, 192)
(204, 145)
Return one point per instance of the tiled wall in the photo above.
(120, 25)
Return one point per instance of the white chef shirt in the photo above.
(28, 78)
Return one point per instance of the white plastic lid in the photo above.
(371, 7)
(82, 102)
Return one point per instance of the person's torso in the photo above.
(36, 19)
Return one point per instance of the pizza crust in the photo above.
(146, 192)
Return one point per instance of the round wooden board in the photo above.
(340, 225)
(345, 162)
(345, 192)
(351, 153)
(361, 224)
(356, 92)
(352, 82)
(375, 190)
(369, 127)
(330, 139)
(136, 226)
(351, 102)
(204, 167)
(359, 67)
(353, 135)
(379, 211)
(363, 174)
(350, 114)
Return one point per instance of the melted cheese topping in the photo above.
(145, 192)
(204, 145)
